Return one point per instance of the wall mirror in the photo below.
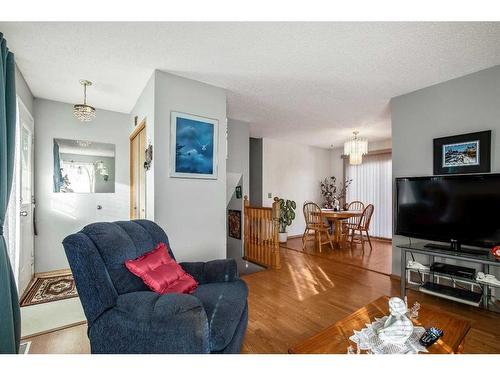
(83, 166)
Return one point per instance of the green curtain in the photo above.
(10, 320)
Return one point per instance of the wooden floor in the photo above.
(306, 295)
(379, 259)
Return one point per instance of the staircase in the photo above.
(261, 244)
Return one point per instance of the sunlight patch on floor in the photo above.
(325, 276)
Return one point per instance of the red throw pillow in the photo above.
(161, 273)
(496, 252)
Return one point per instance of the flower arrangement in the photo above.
(332, 193)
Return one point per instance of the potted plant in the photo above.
(287, 215)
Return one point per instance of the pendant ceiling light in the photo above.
(84, 112)
(356, 147)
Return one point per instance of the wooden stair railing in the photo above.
(261, 234)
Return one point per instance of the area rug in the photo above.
(49, 289)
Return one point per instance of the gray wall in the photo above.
(60, 214)
(255, 174)
(234, 245)
(23, 91)
(462, 105)
(144, 109)
(192, 211)
(238, 143)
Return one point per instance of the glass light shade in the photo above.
(84, 112)
(355, 148)
(355, 159)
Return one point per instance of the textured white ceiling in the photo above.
(311, 83)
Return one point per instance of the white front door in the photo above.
(26, 245)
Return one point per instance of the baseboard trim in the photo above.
(382, 239)
(60, 272)
(28, 288)
(395, 277)
(53, 330)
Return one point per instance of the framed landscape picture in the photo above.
(193, 146)
(464, 153)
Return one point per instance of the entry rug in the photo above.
(51, 288)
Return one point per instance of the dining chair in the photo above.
(363, 226)
(352, 222)
(315, 222)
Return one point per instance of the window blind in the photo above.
(372, 183)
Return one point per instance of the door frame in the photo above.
(22, 107)
(135, 132)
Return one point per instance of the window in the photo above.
(372, 183)
(78, 177)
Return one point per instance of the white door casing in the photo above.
(26, 182)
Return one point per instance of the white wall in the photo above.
(144, 109)
(337, 163)
(60, 214)
(385, 144)
(293, 171)
(462, 105)
(192, 211)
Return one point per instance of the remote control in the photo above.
(430, 336)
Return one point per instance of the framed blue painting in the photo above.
(193, 146)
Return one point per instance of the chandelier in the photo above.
(356, 147)
(84, 112)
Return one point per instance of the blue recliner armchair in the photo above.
(124, 316)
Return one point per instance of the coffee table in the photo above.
(335, 339)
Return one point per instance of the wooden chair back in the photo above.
(366, 217)
(312, 214)
(355, 206)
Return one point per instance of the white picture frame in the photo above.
(193, 146)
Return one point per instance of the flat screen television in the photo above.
(459, 209)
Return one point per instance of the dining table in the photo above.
(336, 218)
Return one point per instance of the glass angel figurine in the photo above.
(398, 327)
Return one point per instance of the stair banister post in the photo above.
(276, 246)
(246, 227)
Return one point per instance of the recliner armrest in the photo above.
(215, 271)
